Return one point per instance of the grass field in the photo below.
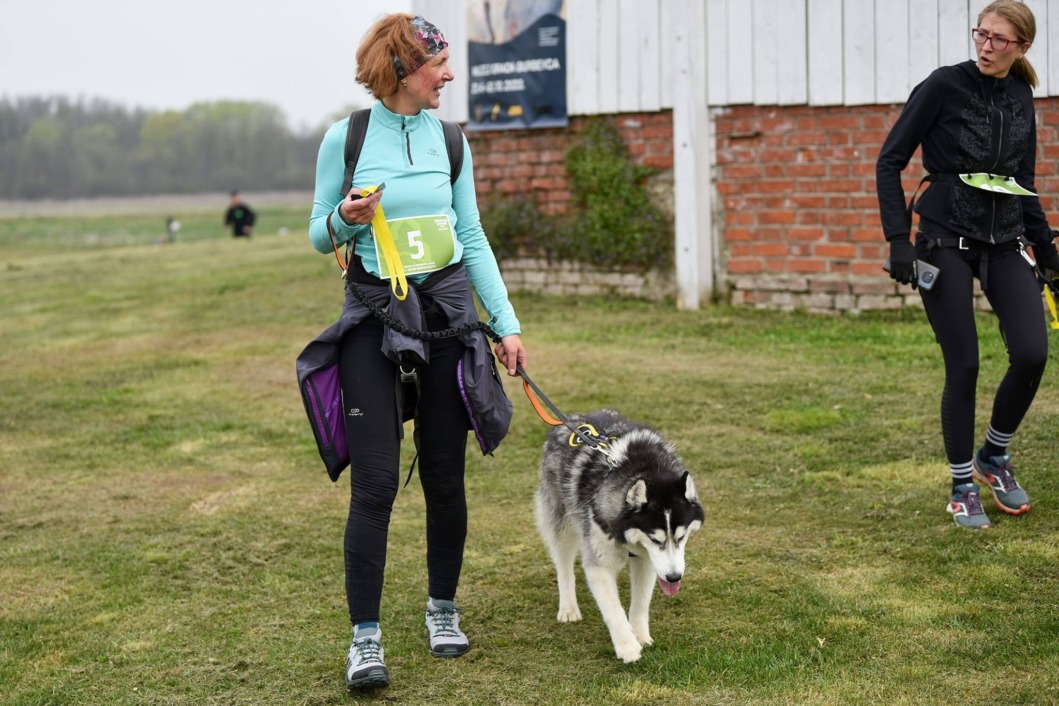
(168, 534)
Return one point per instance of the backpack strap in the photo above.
(358, 127)
(454, 146)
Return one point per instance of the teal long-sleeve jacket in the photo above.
(408, 153)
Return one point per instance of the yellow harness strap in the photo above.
(398, 281)
(1050, 298)
(389, 249)
(587, 429)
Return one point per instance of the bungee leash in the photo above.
(586, 433)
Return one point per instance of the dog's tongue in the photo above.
(670, 589)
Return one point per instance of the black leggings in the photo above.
(1014, 294)
(372, 425)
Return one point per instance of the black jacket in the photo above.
(488, 407)
(966, 123)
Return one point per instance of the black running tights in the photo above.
(372, 425)
(1015, 296)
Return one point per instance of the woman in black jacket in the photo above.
(976, 125)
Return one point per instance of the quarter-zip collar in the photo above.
(382, 115)
(404, 125)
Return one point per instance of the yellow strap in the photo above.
(398, 281)
(1050, 298)
(590, 431)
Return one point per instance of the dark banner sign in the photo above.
(517, 62)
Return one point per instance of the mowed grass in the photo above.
(168, 534)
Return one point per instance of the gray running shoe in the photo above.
(997, 474)
(965, 506)
(443, 628)
(364, 665)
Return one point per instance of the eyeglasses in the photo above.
(999, 43)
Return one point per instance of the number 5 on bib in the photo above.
(424, 244)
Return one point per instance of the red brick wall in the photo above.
(517, 161)
(800, 214)
(795, 188)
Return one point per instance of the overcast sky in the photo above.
(296, 55)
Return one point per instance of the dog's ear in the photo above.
(637, 495)
(689, 488)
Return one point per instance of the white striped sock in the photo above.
(997, 438)
(961, 472)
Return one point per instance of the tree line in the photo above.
(55, 147)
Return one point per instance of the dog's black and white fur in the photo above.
(639, 508)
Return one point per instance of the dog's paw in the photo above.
(628, 649)
(569, 614)
(639, 623)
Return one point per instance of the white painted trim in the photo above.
(858, 52)
(582, 58)
(739, 27)
(893, 51)
(922, 41)
(793, 59)
(765, 51)
(693, 157)
(1039, 52)
(824, 36)
(1051, 58)
(716, 53)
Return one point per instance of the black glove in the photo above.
(903, 260)
(1047, 260)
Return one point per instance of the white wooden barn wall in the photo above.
(621, 55)
(630, 56)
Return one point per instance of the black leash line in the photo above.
(532, 389)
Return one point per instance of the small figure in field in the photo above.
(172, 227)
(239, 217)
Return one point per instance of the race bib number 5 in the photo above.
(424, 243)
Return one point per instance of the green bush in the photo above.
(613, 220)
(513, 226)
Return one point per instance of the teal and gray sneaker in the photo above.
(364, 665)
(997, 474)
(443, 629)
(965, 506)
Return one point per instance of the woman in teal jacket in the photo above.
(403, 62)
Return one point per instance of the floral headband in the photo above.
(430, 37)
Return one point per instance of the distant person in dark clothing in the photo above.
(240, 217)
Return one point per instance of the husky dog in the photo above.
(637, 506)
